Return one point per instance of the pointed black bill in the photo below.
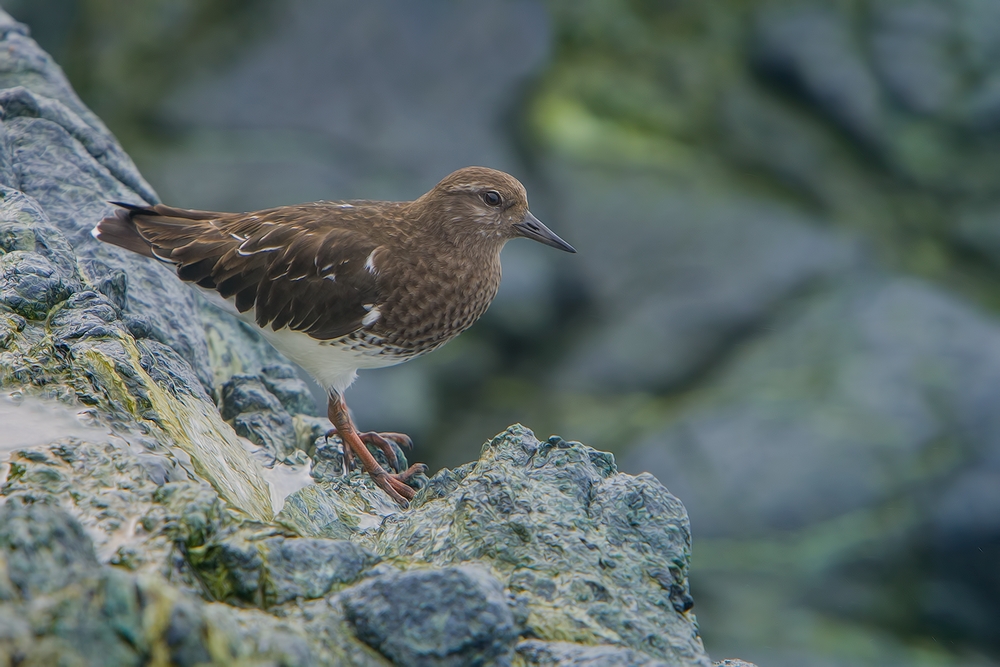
(531, 228)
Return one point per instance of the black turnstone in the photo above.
(340, 286)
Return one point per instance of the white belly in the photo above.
(332, 363)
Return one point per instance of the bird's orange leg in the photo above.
(392, 484)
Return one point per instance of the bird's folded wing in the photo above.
(292, 270)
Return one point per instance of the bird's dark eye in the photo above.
(492, 198)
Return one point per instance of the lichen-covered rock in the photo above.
(45, 547)
(448, 617)
(58, 605)
(595, 556)
(76, 342)
(29, 284)
(259, 415)
(286, 385)
(309, 568)
(537, 653)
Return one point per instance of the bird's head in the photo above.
(476, 202)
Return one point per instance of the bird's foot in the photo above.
(382, 441)
(393, 484)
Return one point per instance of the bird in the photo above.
(340, 286)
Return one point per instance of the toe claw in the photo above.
(401, 439)
(396, 489)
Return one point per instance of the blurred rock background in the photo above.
(785, 304)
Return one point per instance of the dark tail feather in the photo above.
(120, 230)
(135, 208)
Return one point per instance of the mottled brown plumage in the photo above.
(339, 286)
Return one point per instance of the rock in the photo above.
(286, 385)
(246, 393)
(451, 617)
(233, 348)
(153, 385)
(45, 547)
(310, 568)
(259, 415)
(852, 407)
(692, 292)
(29, 285)
(68, 609)
(317, 511)
(593, 554)
(812, 50)
(86, 315)
(564, 654)
(309, 431)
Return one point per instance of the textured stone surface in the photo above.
(564, 654)
(452, 617)
(29, 285)
(258, 415)
(60, 606)
(309, 568)
(594, 555)
(282, 381)
(45, 548)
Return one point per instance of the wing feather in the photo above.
(293, 266)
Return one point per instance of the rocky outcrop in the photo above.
(150, 532)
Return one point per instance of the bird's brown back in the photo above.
(327, 269)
